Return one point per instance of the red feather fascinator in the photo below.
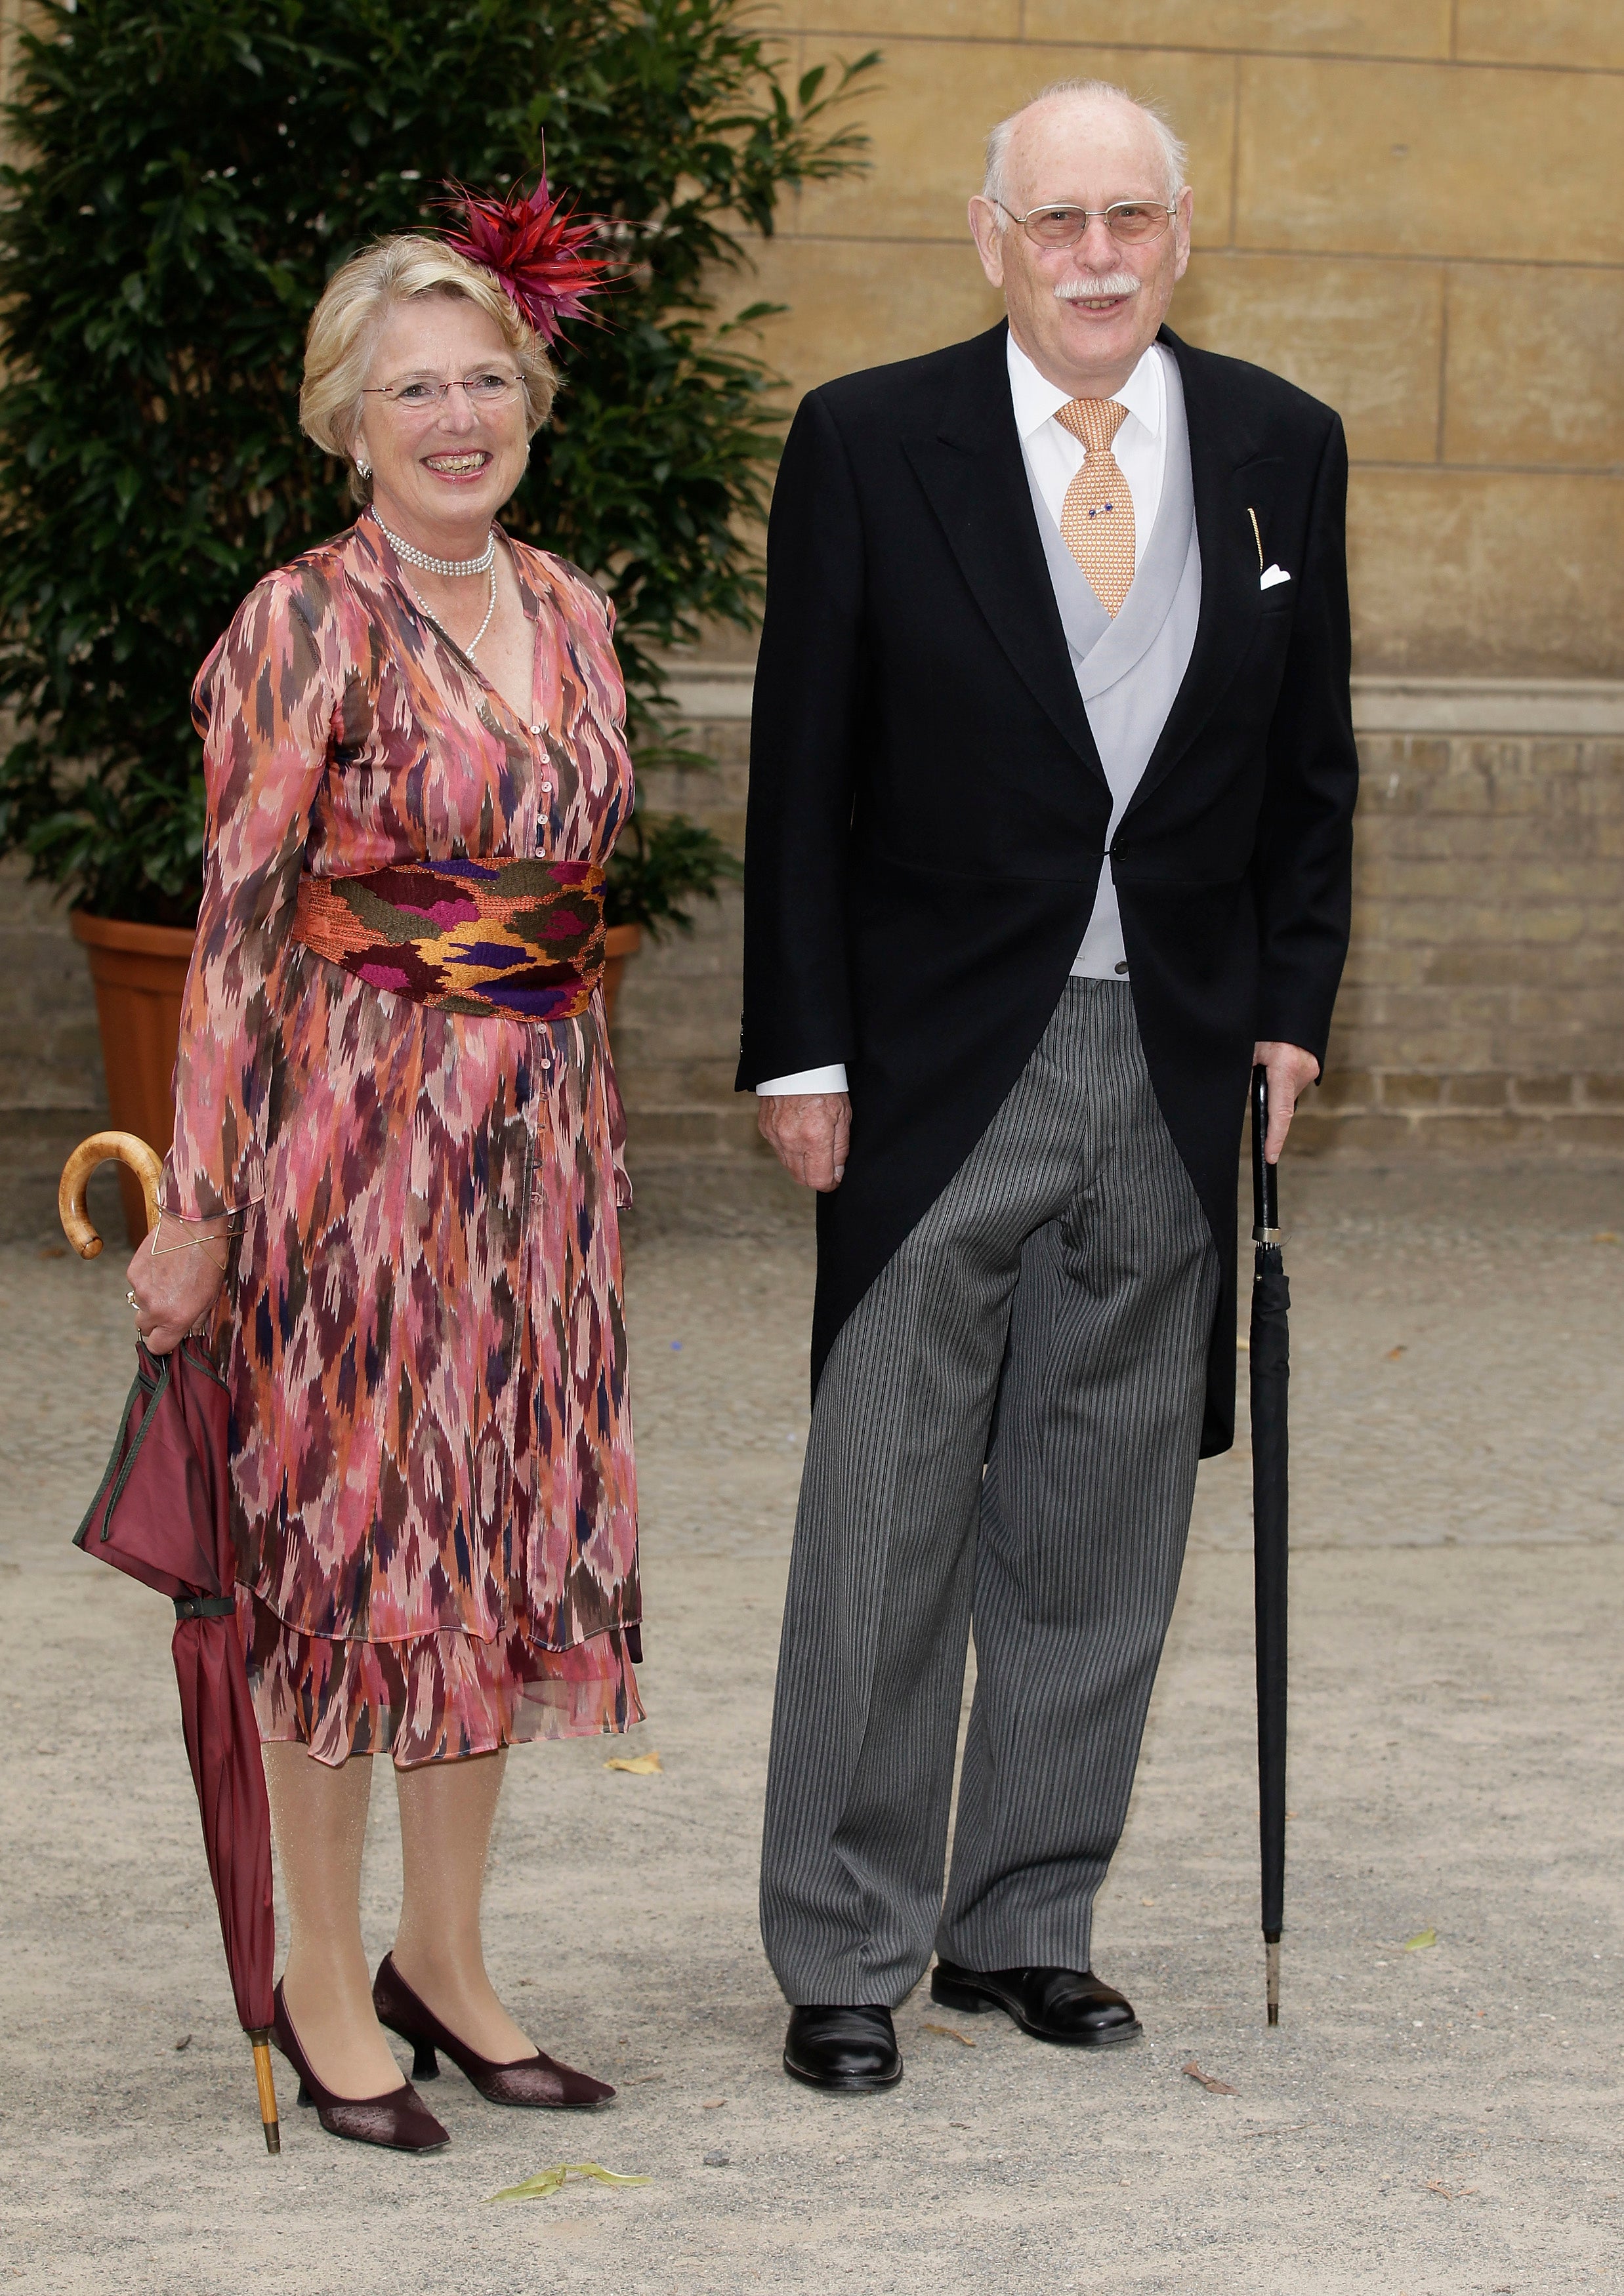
(535, 247)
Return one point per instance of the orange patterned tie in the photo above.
(1097, 516)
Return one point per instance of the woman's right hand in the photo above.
(176, 1285)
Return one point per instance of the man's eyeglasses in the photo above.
(418, 393)
(1131, 222)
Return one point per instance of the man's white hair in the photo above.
(996, 185)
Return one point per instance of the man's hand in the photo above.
(1291, 1071)
(808, 1132)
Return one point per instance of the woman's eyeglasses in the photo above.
(1131, 222)
(418, 393)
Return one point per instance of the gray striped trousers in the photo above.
(1004, 1438)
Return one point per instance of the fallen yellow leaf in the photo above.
(947, 2032)
(1421, 1940)
(1393, 1354)
(640, 1766)
(545, 2181)
(1605, 1235)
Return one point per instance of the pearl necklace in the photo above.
(430, 615)
(482, 564)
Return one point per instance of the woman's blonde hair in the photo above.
(344, 329)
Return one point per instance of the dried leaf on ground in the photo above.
(1421, 1940)
(1464, 2194)
(640, 1765)
(1209, 2080)
(545, 2181)
(948, 2032)
(1393, 1354)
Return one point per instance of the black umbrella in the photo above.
(1271, 1370)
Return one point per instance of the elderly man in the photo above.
(1051, 790)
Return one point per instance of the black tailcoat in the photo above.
(928, 810)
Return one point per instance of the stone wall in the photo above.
(1482, 1012)
(1377, 216)
(1483, 1009)
(1409, 206)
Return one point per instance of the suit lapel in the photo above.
(974, 475)
(1231, 603)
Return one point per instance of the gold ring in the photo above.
(135, 1303)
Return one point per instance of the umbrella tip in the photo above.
(1271, 1953)
(260, 2038)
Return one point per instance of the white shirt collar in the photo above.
(1038, 400)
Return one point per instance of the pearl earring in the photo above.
(363, 469)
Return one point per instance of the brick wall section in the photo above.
(676, 1034)
(1481, 1014)
(50, 1055)
(1482, 1008)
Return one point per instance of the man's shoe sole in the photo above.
(854, 2084)
(972, 2002)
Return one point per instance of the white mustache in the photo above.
(1096, 290)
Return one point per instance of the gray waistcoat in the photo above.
(1129, 670)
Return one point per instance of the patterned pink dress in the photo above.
(435, 1506)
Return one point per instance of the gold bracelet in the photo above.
(193, 1243)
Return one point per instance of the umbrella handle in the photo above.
(1265, 1175)
(268, 2089)
(102, 1148)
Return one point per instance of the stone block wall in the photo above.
(1481, 1012)
(1409, 206)
(1482, 1008)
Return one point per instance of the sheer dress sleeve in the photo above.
(265, 703)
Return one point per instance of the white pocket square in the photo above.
(1271, 576)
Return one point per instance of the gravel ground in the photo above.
(1424, 2122)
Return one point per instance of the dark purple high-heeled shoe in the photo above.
(400, 2119)
(529, 2081)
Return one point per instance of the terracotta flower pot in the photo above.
(619, 942)
(140, 976)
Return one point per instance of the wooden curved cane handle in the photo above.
(102, 1148)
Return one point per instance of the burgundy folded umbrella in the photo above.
(162, 1515)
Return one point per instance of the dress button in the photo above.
(1122, 968)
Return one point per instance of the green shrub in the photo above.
(191, 174)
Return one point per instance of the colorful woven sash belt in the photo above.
(520, 939)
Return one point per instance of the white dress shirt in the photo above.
(1053, 456)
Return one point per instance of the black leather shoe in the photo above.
(1067, 2005)
(842, 2048)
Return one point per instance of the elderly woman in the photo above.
(394, 1187)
